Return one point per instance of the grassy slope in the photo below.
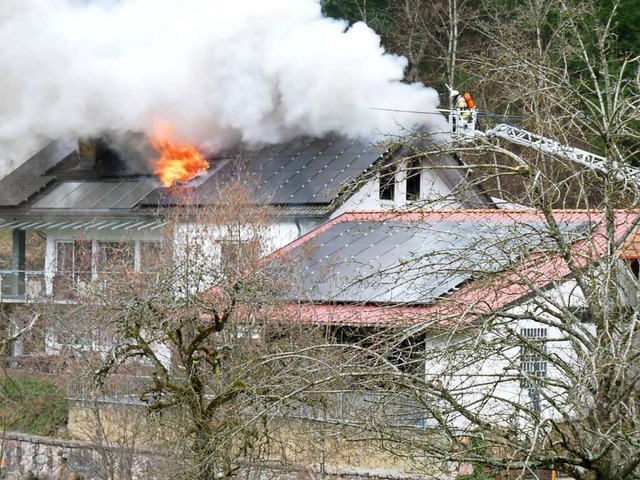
(32, 405)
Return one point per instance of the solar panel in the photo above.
(401, 261)
(96, 195)
(134, 195)
(268, 151)
(315, 148)
(269, 167)
(295, 146)
(302, 171)
(299, 163)
(15, 196)
(57, 195)
(27, 179)
(89, 198)
(338, 146)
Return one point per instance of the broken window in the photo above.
(387, 190)
(414, 179)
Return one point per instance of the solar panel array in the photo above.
(26, 180)
(96, 195)
(311, 173)
(407, 262)
(305, 171)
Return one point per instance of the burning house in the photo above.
(93, 201)
(243, 76)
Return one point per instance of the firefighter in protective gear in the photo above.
(463, 103)
(462, 112)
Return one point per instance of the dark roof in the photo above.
(303, 172)
(105, 195)
(32, 176)
(304, 175)
(413, 258)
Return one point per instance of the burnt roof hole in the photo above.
(108, 159)
(108, 162)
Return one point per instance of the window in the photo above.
(115, 256)
(150, 256)
(533, 364)
(583, 314)
(73, 264)
(73, 257)
(387, 190)
(64, 257)
(414, 179)
(634, 266)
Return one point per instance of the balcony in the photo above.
(17, 286)
(24, 286)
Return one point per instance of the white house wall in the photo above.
(480, 367)
(434, 194)
(285, 231)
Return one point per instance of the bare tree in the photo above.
(220, 363)
(531, 364)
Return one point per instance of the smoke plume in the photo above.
(244, 70)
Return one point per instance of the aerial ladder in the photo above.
(463, 122)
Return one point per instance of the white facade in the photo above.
(434, 193)
(523, 367)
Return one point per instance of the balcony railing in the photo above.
(21, 284)
(37, 285)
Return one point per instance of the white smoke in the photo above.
(252, 70)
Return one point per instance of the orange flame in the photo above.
(178, 162)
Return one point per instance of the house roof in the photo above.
(305, 174)
(374, 267)
(304, 177)
(305, 171)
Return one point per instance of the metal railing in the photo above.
(38, 285)
(22, 284)
(118, 389)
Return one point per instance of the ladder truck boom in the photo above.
(525, 138)
(463, 121)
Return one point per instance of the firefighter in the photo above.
(464, 103)
(462, 107)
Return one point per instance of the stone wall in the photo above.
(33, 457)
(45, 458)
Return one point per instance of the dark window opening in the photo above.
(406, 354)
(583, 314)
(414, 180)
(634, 266)
(388, 183)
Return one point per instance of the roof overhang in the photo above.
(99, 224)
